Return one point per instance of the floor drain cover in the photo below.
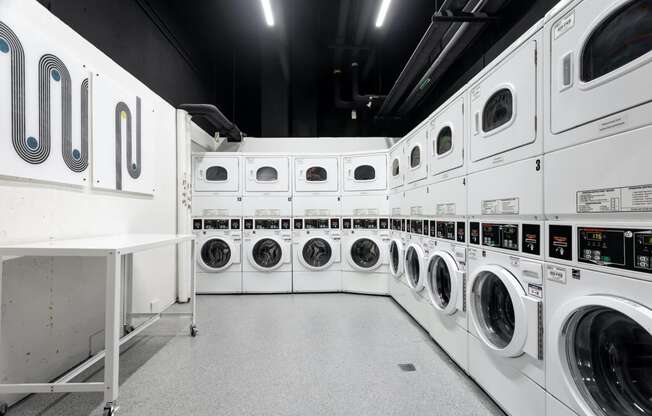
(407, 367)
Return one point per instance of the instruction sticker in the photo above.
(500, 206)
(535, 290)
(556, 274)
(446, 209)
(625, 199)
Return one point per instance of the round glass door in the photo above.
(317, 252)
(609, 356)
(267, 253)
(413, 268)
(494, 309)
(440, 283)
(365, 253)
(395, 257)
(215, 254)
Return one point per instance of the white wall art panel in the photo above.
(123, 125)
(44, 97)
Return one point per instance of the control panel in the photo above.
(383, 223)
(317, 223)
(267, 224)
(474, 231)
(426, 228)
(396, 224)
(446, 230)
(525, 238)
(216, 224)
(461, 232)
(416, 226)
(235, 224)
(619, 248)
(433, 228)
(335, 223)
(365, 224)
(197, 224)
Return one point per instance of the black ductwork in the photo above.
(369, 100)
(214, 116)
(337, 94)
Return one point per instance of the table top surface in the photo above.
(94, 246)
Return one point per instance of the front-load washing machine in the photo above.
(445, 278)
(506, 315)
(447, 139)
(219, 243)
(415, 254)
(397, 246)
(216, 185)
(365, 242)
(364, 185)
(316, 260)
(505, 103)
(598, 321)
(267, 246)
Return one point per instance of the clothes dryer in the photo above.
(267, 246)
(364, 185)
(416, 154)
(316, 261)
(599, 322)
(365, 244)
(219, 266)
(216, 185)
(505, 103)
(316, 174)
(506, 315)
(447, 139)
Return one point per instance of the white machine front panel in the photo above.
(510, 190)
(446, 140)
(601, 178)
(208, 205)
(267, 174)
(396, 167)
(417, 202)
(504, 105)
(448, 198)
(216, 173)
(416, 153)
(600, 63)
(395, 200)
(365, 172)
(316, 206)
(316, 174)
(365, 205)
(266, 206)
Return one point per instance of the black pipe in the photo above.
(214, 116)
(370, 100)
(337, 94)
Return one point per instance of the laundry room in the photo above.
(342, 207)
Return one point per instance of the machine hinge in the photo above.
(540, 329)
(535, 57)
(535, 123)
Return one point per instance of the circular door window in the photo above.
(394, 257)
(415, 157)
(267, 253)
(396, 167)
(494, 309)
(215, 253)
(316, 174)
(440, 283)
(365, 253)
(317, 252)
(444, 141)
(413, 267)
(498, 110)
(216, 174)
(610, 359)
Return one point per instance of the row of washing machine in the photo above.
(283, 255)
(522, 241)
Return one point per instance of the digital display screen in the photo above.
(266, 225)
(316, 224)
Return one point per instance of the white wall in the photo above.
(52, 307)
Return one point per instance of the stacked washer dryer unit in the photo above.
(217, 212)
(410, 292)
(599, 205)
(397, 221)
(317, 229)
(365, 223)
(505, 207)
(267, 234)
(445, 266)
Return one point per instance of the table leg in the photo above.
(112, 332)
(128, 260)
(193, 288)
(2, 261)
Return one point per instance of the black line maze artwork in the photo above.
(37, 150)
(123, 114)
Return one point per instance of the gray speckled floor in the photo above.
(318, 354)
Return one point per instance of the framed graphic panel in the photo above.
(44, 106)
(123, 135)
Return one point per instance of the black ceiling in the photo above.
(279, 81)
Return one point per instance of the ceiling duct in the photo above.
(214, 116)
(454, 26)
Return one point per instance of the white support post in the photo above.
(2, 260)
(129, 291)
(193, 280)
(112, 328)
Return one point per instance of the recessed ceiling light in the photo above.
(267, 10)
(382, 13)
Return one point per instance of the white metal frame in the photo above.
(118, 251)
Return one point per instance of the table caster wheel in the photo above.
(110, 410)
(3, 408)
(193, 330)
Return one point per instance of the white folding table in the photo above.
(118, 251)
